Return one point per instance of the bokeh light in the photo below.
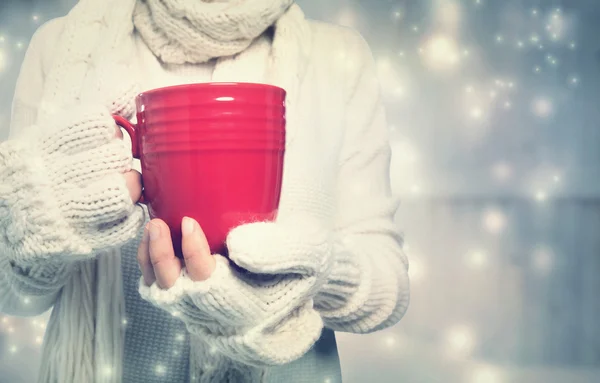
(542, 107)
(417, 269)
(542, 259)
(502, 171)
(491, 106)
(3, 62)
(441, 52)
(477, 259)
(461, 341)
(485, 374)
(494, 221)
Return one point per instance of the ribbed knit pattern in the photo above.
(182, 31)
(36, 278)
(50, 200)
(85, 327)
(332, 258)
(210, 366)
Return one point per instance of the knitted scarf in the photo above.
(180, 31)
(95, 62)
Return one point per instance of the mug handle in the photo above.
(131, 129)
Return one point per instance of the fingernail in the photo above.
(187, 226)
(154, 231)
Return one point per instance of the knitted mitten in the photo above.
(63, 192)
(252, 311)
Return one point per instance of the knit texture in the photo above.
(256, 333)
(351, 275)
(63, 193)
(180, 31)
(86, 340)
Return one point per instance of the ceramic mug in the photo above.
(213, 152)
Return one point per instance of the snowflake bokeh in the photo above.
(493, 117)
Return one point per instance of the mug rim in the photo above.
(245, 85)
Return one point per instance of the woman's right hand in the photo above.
(133, 178)
(69, 189)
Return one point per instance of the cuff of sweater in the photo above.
(36, 278)
(349, 299)
(217, 318)
(184, 286)
(31, 224)
(223, 303)
(380, 299)
(261, 346)
(343, 281)
(177, 299)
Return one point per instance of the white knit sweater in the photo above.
(344, 144)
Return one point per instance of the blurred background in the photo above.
(494, 108)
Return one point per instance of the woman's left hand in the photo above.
(250, 305)
(157, 259)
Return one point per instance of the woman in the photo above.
(72, 237)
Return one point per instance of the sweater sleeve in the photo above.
(30, 288)
(368, 289)
(30, 82)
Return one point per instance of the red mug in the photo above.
(213, 152)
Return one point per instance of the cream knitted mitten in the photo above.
(254, 314)
(63, 192)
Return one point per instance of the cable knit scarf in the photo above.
(94, 63)
(180, 31)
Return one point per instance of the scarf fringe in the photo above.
(110, 323)
(68, 355)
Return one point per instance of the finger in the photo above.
(196, 252)
(166, 266)
(118, 132)
(143, 258)
(133, 178)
